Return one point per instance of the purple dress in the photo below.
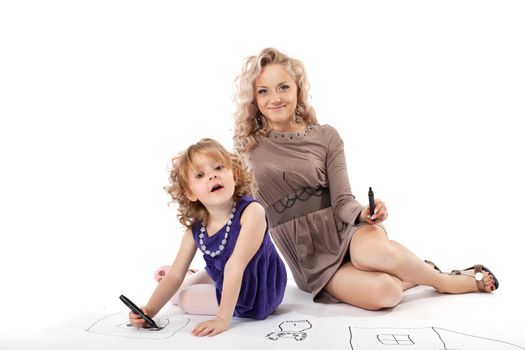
(264, 280)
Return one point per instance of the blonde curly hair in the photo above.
(246, 130)
(189, 212)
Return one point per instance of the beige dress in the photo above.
(314, 245)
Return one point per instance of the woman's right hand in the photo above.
(136, 320)
(364, 216)
(380, 213)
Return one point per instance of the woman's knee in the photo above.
(385, 293)
(375, 256)
(370, 248)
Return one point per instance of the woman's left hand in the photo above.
(380, 213)
(210, 327)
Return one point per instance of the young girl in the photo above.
(244, 275)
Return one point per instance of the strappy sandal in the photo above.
(478, 276)
(434, 266)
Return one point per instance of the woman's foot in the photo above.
(474, 279)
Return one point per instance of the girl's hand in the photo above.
(136, 320)
(210, 327)
(380, 213)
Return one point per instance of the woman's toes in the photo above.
(490, 285)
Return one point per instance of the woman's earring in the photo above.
(297, 115)
(258, 121)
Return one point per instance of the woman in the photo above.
(336, 249)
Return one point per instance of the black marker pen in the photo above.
(371, 202)
(136, 310)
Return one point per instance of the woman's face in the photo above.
(276, 96)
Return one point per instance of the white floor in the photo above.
(473, 321)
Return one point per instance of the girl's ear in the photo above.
(190, 196)
(236, 179)
(236, 175)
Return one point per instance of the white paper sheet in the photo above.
(118, 325)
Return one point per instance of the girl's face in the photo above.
(210, 182)
(276, 96)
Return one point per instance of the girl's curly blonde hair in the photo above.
(189, 212)
(246, 129)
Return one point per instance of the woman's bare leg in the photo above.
(366, 289)
(404, 285)
(371, 250)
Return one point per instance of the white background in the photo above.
(97, 96)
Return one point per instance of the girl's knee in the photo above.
(199, 299)
(184, 300)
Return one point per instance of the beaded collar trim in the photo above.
(224, 240)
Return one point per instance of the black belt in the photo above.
(298, 203)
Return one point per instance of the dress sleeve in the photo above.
(344, 204)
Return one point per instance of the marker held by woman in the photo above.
(371, 202)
